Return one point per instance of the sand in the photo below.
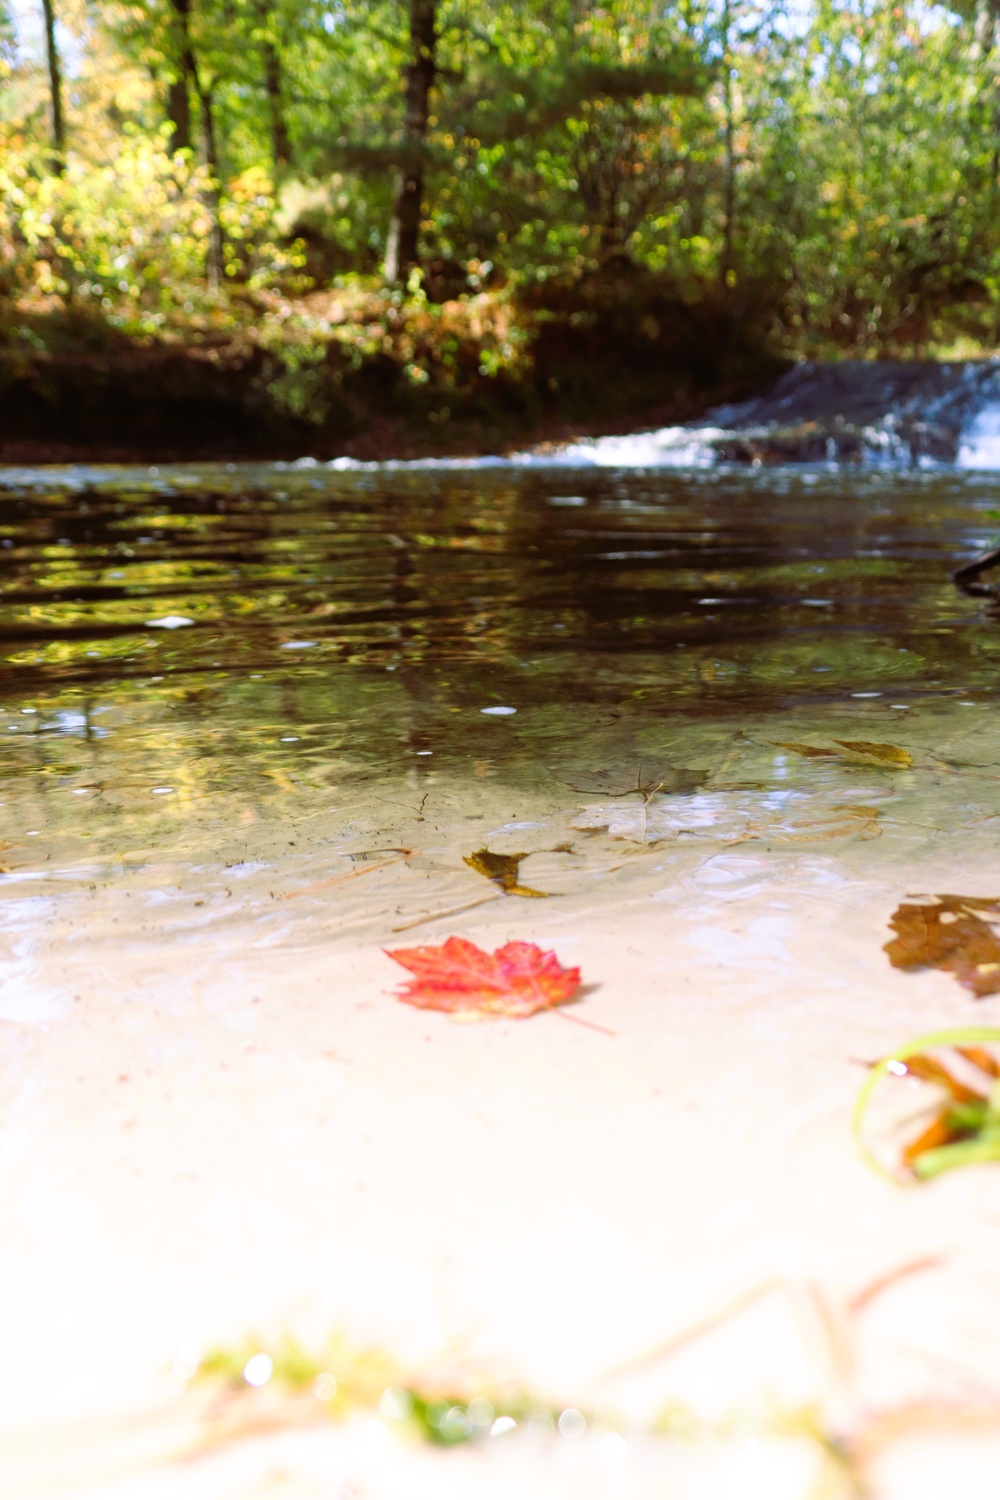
(221, 1126)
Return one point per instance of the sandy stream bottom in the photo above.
(219, 1123)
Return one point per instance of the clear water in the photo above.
(204, 828)
(239, 642)
(380, 613)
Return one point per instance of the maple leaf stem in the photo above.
(453, 911)
(565, 1015)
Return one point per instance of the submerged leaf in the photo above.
(870, 752)
(856, 752)
(503, 870)
(947, 932)
(517, 980)
(811, 752)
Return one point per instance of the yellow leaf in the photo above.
(502, 869)
(855, 752)
(870, 752)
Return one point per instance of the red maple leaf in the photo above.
(516, 980)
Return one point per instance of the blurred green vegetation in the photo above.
(346, 1380)
(481, 206)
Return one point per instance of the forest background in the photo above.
(360, 225)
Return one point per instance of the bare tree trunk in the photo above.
(403, 248)
(189, 71)
(179, 112)
(281, 146)
(729, 189)
(987, 32)
(212, 198)
(55, 88)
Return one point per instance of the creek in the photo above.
(252, 718)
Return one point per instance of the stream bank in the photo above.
(374, 377)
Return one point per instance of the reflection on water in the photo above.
(259, 633)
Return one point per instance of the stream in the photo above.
(253, 721)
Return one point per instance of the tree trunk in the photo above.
(403, 248)
(987, 32)
(729, 188)
(179, 113)
(188, 64)
(212, 198)
(281, 146)
(55, 88)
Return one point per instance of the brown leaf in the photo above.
(502, 869)
(854, 752)
(946, 932)
(871, 752)
(811, 752)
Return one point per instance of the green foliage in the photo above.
(828, 175)
(343, 1379)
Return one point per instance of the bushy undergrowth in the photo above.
(111, 259)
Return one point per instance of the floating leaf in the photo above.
(502, 869)
(517, 980)
(855, 752)
(966, 1129)
(947, 932)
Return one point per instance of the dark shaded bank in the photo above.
(589, 358)
(605, 356)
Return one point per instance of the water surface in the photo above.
(254, 720)
(189, 653)
(377, 615)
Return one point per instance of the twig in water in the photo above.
(322, 885)
(565, 1015)
(453, 911)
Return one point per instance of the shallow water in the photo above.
(210, 669)
(251, 722)
(378, 616)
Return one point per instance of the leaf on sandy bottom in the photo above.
(732, 817)
(854, 752)
(965, 1128)
(517, 980)
(810, 752)
(504, 870)
(953, 933)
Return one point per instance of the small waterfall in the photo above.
(872, 413)
(980, 444)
